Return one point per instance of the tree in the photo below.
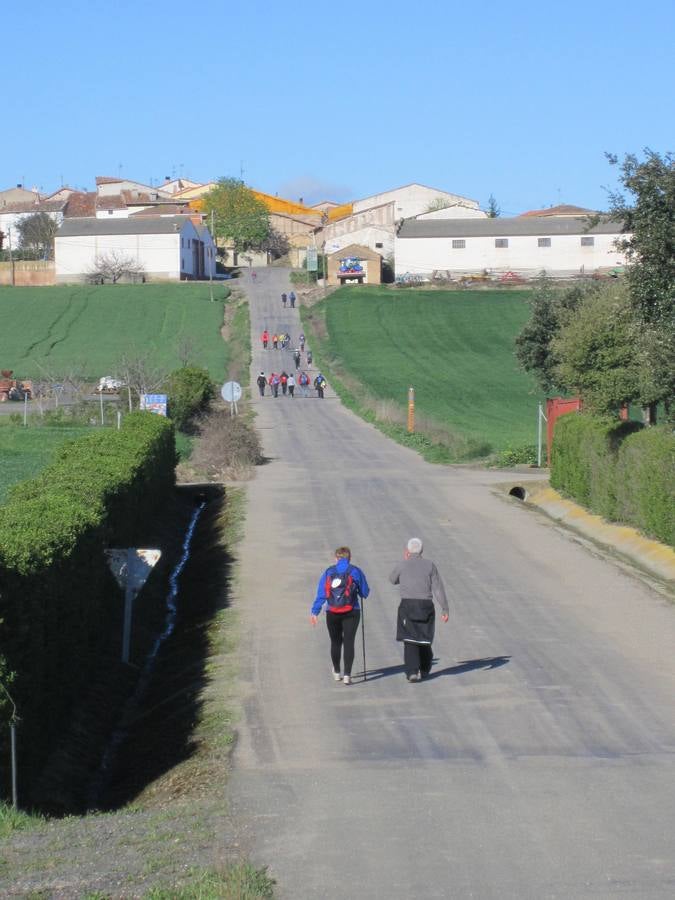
(597, 351)
(114, 265)
(534, 343)
(276, 243)
(493, 210)
(649, 224)
(240, 218)
(36, 233)
(648, 220)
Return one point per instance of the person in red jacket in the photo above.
(265, 338)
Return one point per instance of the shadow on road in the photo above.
(466, 665)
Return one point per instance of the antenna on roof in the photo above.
(241, 169)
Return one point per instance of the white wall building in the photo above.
(170, 248)
(523, 245)
(411, 200)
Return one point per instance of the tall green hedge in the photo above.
(57, 598)
(645, 472)
(618, 470)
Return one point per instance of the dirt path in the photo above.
(539, 758)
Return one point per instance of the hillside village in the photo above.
(421, 233)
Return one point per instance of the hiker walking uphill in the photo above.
(291, 298)
(261, 381)
(320, 385)
(419, 583)
(340, 589)
(283, 299)
(265, 338)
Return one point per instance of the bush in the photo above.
(303, 277)
(515, 456)
(645, 476)
(58, 599)
(190, 390)
(583, 459)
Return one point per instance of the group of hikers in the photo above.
(288, 298)
(343, 586)
(287, 383)
(279, 341)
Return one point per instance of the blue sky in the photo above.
(519, 100)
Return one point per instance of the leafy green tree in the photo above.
(648, 218)
(598, 353)
(36, 234)
(240, 218)
(648, 221)
(493, 209)
(534, 343)
(190, 390)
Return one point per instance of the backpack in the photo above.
(340, 590)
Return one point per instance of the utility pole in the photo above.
(212, 259)
(11, 258)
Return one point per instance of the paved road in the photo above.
(538, 761)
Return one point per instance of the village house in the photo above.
(558, 245)
(168, 248)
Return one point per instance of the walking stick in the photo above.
(363, 639)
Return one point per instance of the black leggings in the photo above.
(342, 629)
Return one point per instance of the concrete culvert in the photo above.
(518, 492)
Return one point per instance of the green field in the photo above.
(88, 329)
(455, 348)
(25, 451)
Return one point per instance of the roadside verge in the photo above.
(652, 556)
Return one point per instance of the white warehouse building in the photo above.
(557, 245)
(169, 248)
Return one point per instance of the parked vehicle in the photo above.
(109, 385)
(13, 389)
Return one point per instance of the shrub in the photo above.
(58, 599)
(583, 459)
(645, 476)
(190, 390)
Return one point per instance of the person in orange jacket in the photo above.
(265, 338)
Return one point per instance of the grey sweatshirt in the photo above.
(419, 580)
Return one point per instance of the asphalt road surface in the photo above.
(537, 761)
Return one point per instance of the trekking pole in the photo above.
(363, 639)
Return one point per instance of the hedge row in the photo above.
(58, 600)
(619, 470)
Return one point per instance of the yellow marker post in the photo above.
(411, 410)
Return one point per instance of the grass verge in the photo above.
(237, 882)
(13, 820)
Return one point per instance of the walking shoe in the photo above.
(347, 679)
(337, 676)
(416, 676)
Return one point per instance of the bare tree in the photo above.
(140, 377)
(185, 350)
(113, 265)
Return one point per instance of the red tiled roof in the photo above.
(30, 206)
(563, 209)
(104, 179)
(81, 204)
(165, 209)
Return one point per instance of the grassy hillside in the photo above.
(90, 328)
(455, 348)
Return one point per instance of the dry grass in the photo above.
(227, 449)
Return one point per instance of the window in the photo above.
(543, 242)
(379, 246)
(458, 244)
(188, 243)
(110, 212)
(182, 244)
(587, 241)
(501, 242)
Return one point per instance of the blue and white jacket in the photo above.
(362, 589)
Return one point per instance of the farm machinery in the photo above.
(13, 389)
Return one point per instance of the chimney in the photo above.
(19, 185)
(166, 178)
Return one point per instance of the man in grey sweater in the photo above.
(420, 583)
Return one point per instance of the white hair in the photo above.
(414, 545)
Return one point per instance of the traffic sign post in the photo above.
(231, 393)
(131, 568)
(312, 259)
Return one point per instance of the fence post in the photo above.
(411, 410)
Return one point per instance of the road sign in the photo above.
(312, 259)
(131, 568)
(155, 403)
(231, 392)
